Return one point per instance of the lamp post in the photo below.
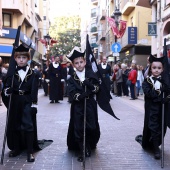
(116, 15)
(47, 40)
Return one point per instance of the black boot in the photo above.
(156, 150)
(30, 141)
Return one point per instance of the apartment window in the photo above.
(6, 20)
(44, 17)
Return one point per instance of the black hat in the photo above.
(155, 59)
(75, 53)
(22, 48)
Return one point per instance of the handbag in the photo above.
(128, 82)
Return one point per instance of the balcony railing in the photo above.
(93, 14)
(127, 6)
(93, 29)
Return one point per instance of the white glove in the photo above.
(62, 80)
(34, 105)
(47, 80)
(68, 76)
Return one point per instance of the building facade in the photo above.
(137, 18)
(27, 14)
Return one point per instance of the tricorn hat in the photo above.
(155, 59)
(75, 53)
(22, 48)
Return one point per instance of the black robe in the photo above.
(106, 73)
(77, 113)
(22, 117)
(56, 89)
(153, 108)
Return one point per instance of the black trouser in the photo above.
(155, 121)
(29, 136)
(119, 89)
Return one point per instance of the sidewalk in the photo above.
(116, 150)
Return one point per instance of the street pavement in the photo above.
(116, 150)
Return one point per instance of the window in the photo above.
(44, 17)
(6, 20)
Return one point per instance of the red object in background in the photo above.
(168, 53)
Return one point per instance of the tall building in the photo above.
(137, 18)
(160, 23)
(24, 13)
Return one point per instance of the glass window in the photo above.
(6, 20)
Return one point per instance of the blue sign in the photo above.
(132, 35)
(11, 33)
(6, 49)
(116, 47)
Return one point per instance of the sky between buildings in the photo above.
(64, 8)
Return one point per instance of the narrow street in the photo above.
(116, 150)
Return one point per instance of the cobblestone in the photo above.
(116, 150)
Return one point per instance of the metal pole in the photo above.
(84, 134)
(162, 145)
(6, 126)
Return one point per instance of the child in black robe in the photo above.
(82, 84)
(153, 88)
(23, 86)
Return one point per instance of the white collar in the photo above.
(81, 74)
(55, 65)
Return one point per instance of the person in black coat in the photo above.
(80, 79)
(46, 79)
(23, 107)
(153, 88)
(55, 76)
(105, 70)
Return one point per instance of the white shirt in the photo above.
(81, 75)
(157, 84)
(104, 65)
(23, 73)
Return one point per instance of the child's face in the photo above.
(79, 63)
(21, 60)
(156, 69)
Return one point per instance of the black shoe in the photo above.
(52, 101)
(14, 153)
(80, 158)
(30, 158)
(57, 102)
(157, 154)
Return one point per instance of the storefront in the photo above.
(6, 47)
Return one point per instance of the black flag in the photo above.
(102, 99)
(12, 63)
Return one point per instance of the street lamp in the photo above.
(116, 15)
(47, 40)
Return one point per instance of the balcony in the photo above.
(13, 6)
(143, 3)
(93, 15)
(127, 6)
(102, 15)
(94, 2)
(94, 31)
